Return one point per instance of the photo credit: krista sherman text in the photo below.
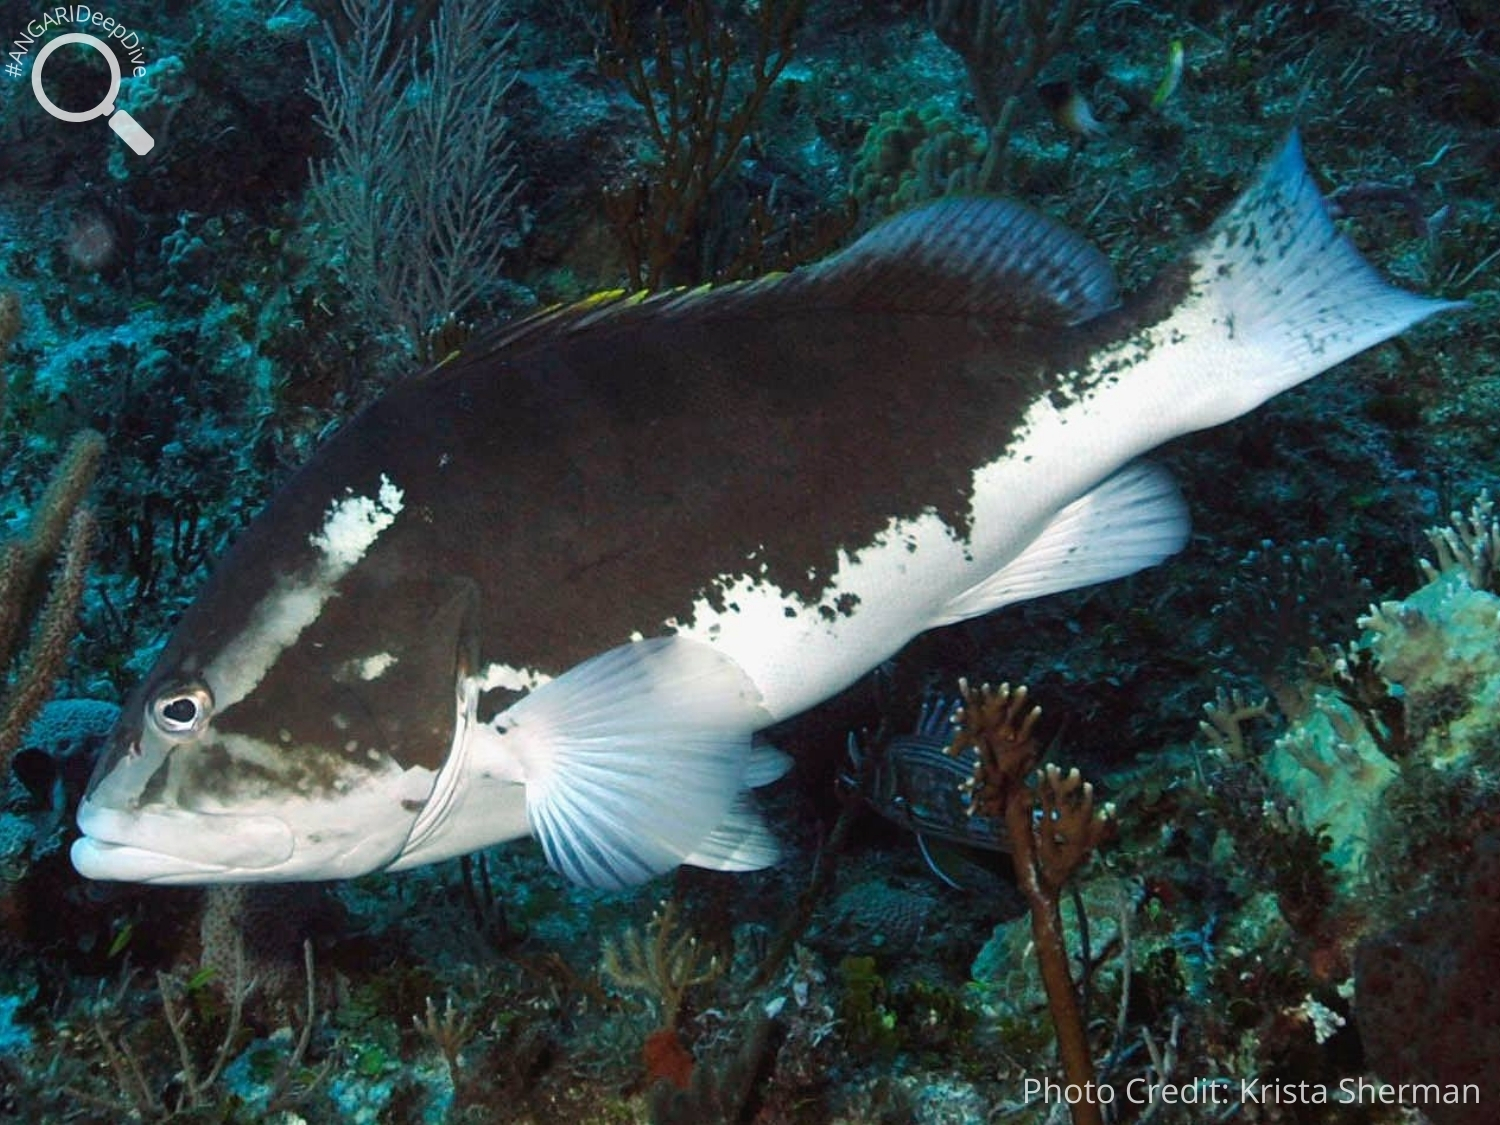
(1207, 1093)
(75, 17)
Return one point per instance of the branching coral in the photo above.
(663, 962)
(1283, 602)
(1224, 726)
(1052, 832)
(684, 83)
(139, 1092)
(449, 1031)
(1470, 544)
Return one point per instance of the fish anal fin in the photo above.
(1133, 520)
(741, 842)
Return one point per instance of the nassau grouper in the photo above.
(556, 585)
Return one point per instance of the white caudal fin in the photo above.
(637, 761)
(1133, 520)
(1276, 294)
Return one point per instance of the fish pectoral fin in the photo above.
(637, 760)
(741, 842)
(1136, 518)
(765, 765)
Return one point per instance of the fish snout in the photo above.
(178, 847)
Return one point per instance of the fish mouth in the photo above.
(187, 848)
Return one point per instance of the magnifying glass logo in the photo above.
(127, 128)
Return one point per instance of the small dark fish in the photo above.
(915, 783)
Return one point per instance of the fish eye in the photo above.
(182, 712)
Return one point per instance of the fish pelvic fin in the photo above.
(638, 760)
(1278, 295)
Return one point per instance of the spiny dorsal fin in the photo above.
(970, 257)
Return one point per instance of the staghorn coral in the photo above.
(1224, 726)
(1470, 544)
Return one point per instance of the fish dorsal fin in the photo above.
(637, 760)
(1132, 520)
(974, 256)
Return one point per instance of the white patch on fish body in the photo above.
(349, 530)
(919, 574)
(797, 653)
(367, 668)
(504, 677)
(354, 523)
(1131, 398)
(1274, 296)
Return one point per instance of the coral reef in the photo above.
(1427, 991)
(700, 98)
(664, 962)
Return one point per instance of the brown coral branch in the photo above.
(24, 563)
(1227, 715)
(1004, 45)
(1069, 829)
(43, 658)
(1052, 832)
(1471, 544)
(682, 82)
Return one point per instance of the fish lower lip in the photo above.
(98, 859)
(160, 847)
